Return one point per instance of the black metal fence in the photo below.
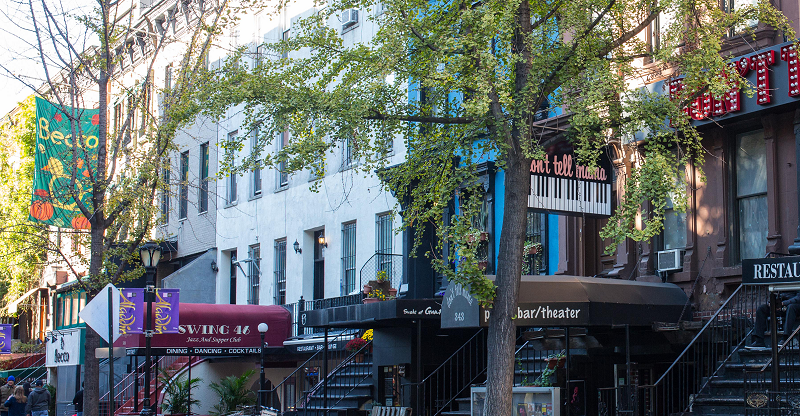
(390, 264)
(690, 374)
(299, 328)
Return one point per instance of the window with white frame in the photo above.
(383, 242)
(283, 176)
(203, 194)
(183, 208)
(255, 174)
(231, 182)
(348, 153)
(737, 5)
(254, 273)
(280, 271)
(674, 223)
(165, 180)
(751, 195)
(348, 258)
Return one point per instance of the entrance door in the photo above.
(319, 266)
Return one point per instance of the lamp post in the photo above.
(150, 254)
(262, 329)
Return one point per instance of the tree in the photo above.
(83, 55)
(466, 80)
(21, 257)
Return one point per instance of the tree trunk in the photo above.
(502, 329)
(91, 374)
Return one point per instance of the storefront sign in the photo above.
(546, 314)
(459, 308)
(192, 351)
(771, 271)
(560, 184)
(218, 326)
(64, 347)
(6, 334)
(311, 347)
(773, 71)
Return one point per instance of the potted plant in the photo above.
(532, 247)
(355, 345)
(379, 289)
(556, 360)
(177, 392)
(233, 392)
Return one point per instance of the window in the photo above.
(145, 106)
(183, 210)
(254, 152)
(203, 197)
(731, 6)
(284, 38)
(283, 176)
(168, 77)
(535, 232)
(319, 265)
(254, 274)
(165, 179)
(751, 195)
(280, 272)
(674, 224)
(348, 153)
(348, 258)
(233, 278)
(383, 242)
(117, 119)
(231, 196)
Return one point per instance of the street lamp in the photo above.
(150, 254)
(262, 329)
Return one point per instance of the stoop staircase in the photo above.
(126, 397)
(348, 387)
(710, 376)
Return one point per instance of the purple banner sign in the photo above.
(165, 311)
(6, 333)
(131, 311)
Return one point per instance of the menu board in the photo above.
(527, 401)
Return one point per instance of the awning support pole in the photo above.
(773, 315)
(325, 373)
(111, 403)
(628, 364)
(566, 370)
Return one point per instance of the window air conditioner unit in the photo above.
(349, 18)
(670, 260)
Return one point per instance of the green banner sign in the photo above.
(59, 158)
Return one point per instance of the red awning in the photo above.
(223, 326)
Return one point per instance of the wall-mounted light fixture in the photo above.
(214, 267)
(297, 248)
(321, 240)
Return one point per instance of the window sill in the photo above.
(202, 212)
(231, 204)
(255, 196)
(350, 28)
(183, 219)
(281, 188)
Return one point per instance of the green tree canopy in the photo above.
(466, 80)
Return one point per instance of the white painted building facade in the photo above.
(263, 214)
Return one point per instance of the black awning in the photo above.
(574, 301)
(385, 313)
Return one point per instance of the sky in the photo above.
(21, 67)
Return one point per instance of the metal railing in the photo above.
(127, 390)
(617, 401)
(350, 373)
(302, 305)
(300, 375)
(392, 264)
(762, 396)
(690, 374)
(435, 392)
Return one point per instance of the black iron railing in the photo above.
(774, 390)
(618, 401)
(442, 386)
(307, 374)
(690, 374)
(390, 264)
(352, 372)
(296, 309)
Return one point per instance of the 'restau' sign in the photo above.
(771, 271)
